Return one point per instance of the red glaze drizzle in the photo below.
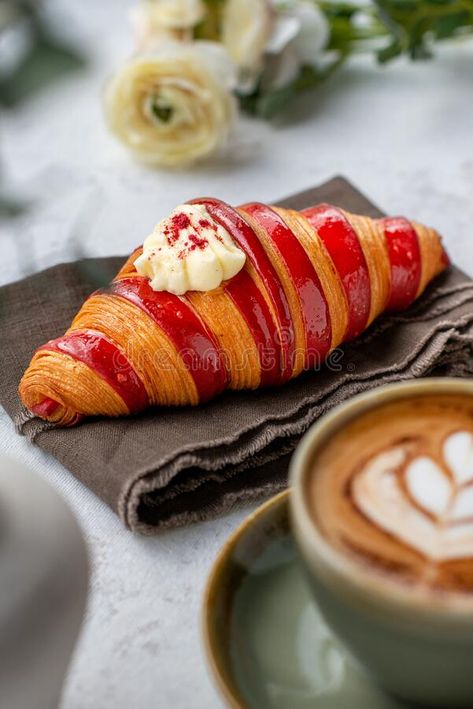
(105, 359)
(251, 303)
(45, 408)
(341, 241)
(405, 258)
(190, 336)
(242, 233)
(314, 305)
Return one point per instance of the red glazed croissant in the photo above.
(310, 281)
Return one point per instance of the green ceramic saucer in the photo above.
(266, 642)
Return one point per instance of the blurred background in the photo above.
(401, 133)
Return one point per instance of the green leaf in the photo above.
(390, 52)
(385, 28)
(441, 2)
(46, 61)
(417, 46)
(249, 102)
(447, 25)
(339, 9)
(11, 207)
(393, 7)
(307, 79)
(273, 102)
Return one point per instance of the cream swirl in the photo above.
(189, 250)
(425, 504)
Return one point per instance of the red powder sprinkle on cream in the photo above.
(179, 222)
(206, 224)
(197, 242)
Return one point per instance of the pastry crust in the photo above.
(328, 275)
(311, 280)
(373, 243)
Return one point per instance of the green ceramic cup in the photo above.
(419, 651)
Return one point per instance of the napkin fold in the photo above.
(172, 466)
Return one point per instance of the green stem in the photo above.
(384, 28)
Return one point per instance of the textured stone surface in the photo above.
(402, 135)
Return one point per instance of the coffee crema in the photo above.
(393, 490)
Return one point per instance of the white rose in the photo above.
(154, 20)
(175, 105)
(246, 29)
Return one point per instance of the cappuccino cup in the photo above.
(382, 513)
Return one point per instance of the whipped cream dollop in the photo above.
(426, 504)
(189, 250)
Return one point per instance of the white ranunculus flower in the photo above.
(272, 39)
(246, 29)
(173, 106)
(154, 20)
(175, 14)
(300, 34)
(314, 31)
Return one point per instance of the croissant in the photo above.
(311, 280)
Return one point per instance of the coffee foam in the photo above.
(427, 507)
(394, 489)
(458, 454)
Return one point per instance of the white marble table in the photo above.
(403, 135)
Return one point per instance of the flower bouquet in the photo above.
(196, 61)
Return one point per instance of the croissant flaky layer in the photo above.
(311, 281)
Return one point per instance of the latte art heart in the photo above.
(392, 490)
(458, 454)
(427, 506)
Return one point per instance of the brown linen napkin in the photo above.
(170, 467)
